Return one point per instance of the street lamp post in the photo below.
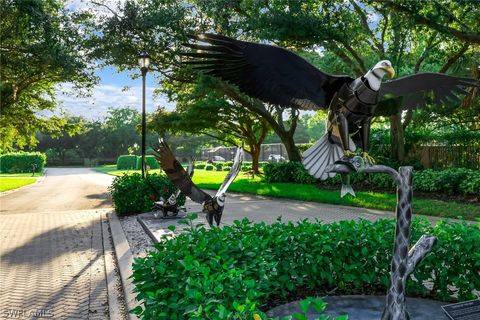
(144, 62)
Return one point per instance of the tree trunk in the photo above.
(397, 138)
(255, 153)
(292, 150)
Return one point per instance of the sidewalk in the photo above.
(52, 266)
(266, 209)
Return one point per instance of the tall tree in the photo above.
(201, 108)
(161, 30)
(360, 33)
(350, 38)
(42, 45)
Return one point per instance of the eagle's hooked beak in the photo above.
(390, 71)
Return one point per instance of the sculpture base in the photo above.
(365, 308)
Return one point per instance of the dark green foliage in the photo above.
(228, 163)
(229, 272)
(209, 167)
(127, 162)
(289, 171)
(218, 166)
(150, 161)
(261, 164)
(302, 147)
(18, 162)
(226, 168)
(200, 166)
(450, 181)
(132, 194)
(246, 167)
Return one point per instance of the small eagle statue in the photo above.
(171, 205)
(281, 77)
(212, 206)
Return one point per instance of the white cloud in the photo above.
(101, 8)
(106, 96)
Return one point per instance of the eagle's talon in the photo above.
(368, 158)
(349, 154)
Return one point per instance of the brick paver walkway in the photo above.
(52, 266)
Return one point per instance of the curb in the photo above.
(124, 261)
(40, 179)
(115, 306)
(147, 230)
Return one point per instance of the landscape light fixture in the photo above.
(144, 62)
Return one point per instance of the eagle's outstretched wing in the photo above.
(180, 178)
(412, 89)
(232, 174)
(191, 167)
(269, 73)
(190, 172)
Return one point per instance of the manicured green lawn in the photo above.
(19, 174)
(9, 183)
(374, 200)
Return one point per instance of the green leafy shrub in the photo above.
(18, 162)
(449, 181)
(131, 194)
(150, 161)
(228, 163)
(209, 167)
(287, 171)
(127, 162)
(218, 166)
(246, 167)
(229, 272)
(226, 168)
(471, 185)
(302, 147)
(200, 166)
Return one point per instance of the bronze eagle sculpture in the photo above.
(212, 206)
(280, 77)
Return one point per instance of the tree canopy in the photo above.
(349, 38)
(42, 45)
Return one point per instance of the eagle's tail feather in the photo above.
(319, 156)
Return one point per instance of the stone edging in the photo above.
(124, 262)
(40, 179)
(147, 230)
(115, 293)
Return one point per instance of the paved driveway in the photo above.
(62, 189)
(52, 247)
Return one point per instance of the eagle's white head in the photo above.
(374, 76)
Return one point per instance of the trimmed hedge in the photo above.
(127, 162)
(246, 167)
(150, 161)
(18, 162)
(287, 171)
(450, 181)
(131, 194)
(200, 166)
(229, 272)
(209, 167)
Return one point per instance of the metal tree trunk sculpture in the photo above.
(403, 260)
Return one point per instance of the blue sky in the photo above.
(110, 93)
